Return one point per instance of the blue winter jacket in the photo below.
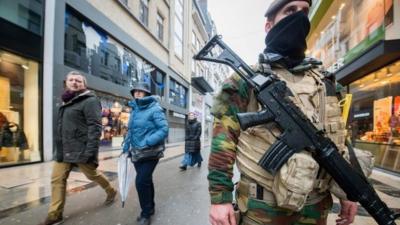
(147, 124)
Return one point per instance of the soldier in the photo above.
(300, 192)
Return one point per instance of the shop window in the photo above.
(115, 116)
(157, 83)
(90, 49)
(177, 94)
(374, 122)
(19, 110)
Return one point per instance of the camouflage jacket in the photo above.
(233, 99)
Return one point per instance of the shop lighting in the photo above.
(384, 82)
(376, 77)
(342, 5)
(25, 67)
(362, 85)
(333, 17)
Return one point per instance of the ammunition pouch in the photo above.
(294, 181)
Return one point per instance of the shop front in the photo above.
(19, 110)
(176, 116)
(21, 55)
(374, 122)
(112, 68)
(114, 120)
(359, 43)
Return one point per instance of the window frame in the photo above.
(160, 20)
(144, 12)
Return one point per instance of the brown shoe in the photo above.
(110, 197)
(53, 221)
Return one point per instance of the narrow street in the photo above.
(181, 199)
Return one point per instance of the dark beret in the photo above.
(279, 4)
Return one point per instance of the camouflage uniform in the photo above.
(229, 145)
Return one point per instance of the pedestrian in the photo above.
(300, 192)
(147, 130)
(192, 143)
(77, 144)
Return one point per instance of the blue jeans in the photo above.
(145, 186)
(190, 159)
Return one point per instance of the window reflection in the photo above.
(353, 27)
(177, 94)
(90, 49)
(24, 13)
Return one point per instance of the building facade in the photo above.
(206, 77)
(114, 43)
(359, 41)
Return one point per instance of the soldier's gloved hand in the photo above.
(348, 211)
(222, 214)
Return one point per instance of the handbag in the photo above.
(154, 152)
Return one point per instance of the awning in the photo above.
(382, 53)
(201, 84)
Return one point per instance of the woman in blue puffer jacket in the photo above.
(147, 130)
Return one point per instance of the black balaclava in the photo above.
(288, 38)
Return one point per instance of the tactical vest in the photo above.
(299, 174)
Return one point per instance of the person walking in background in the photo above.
(77, 144)
(192, 143)
(147, 130)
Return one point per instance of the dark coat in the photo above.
(79, 130)
(13, 139)
(192, 137)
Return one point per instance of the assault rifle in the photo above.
(299, 133)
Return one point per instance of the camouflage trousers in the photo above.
(260, 213)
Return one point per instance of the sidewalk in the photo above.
(27, 186)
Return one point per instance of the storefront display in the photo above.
(115, 117)
(19, 110)
(375, 115)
